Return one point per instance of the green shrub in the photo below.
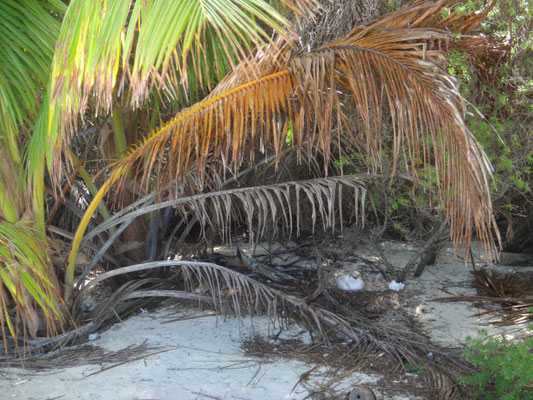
(506, 369)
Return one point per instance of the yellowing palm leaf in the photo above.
(25, 274)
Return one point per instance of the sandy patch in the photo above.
(197, 358)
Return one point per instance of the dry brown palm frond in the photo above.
(278, 205)
(233, 293)
(513, 311)
(88, 354)
(27, 348)
(448, 15)
(426, 113)
(267, 60)
(214, 129)
(259, 205)
(230, 292)
(385, 65)
(513, 293)
(178, 48)
(503, 285)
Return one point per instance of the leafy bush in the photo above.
(506, 370)
(499, 88)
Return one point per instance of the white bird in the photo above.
(350, 282)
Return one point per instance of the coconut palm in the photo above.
(332, 97)
(111, 55)
(58, 62)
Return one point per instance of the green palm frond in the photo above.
(25, 275)
(128, 48)
(107, 49)
(106, 45)
(29, 30)
(11, 192)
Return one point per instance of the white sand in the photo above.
(201, 359)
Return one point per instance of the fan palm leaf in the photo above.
(384, 63)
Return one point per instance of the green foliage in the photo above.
(400, 228)
(28, 30)
(343, 161)
(397, 202)
(499, 87)
(413, 368)
(506, 369)
(288, 135)
(502, 147)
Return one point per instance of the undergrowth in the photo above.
(506, 369)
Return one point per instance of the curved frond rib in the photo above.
(217, 128)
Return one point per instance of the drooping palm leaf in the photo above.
(218, 126)
(238, 294)
(428, 126)
(233, 293)
(383, 64)
(261, 202)
(398, 60)
(281, 204)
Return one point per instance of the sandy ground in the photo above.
(448, 324)
(191, 354)
(196, 358)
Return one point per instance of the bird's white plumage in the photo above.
(349, 282)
